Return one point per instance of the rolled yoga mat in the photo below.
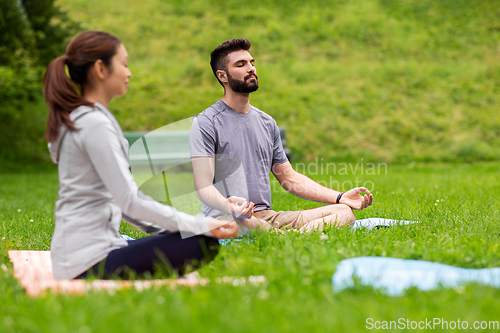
(393, 276)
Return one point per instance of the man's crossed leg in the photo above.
(302, 220)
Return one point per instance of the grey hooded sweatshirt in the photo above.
(97, 191)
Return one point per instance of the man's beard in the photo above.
(243, 86)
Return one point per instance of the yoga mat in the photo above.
(368, 224)
(34, 270)
(393, 276)
(226, 242)
(127, 237)
(374, 222)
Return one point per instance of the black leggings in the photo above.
(166, 253)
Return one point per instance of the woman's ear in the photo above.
(222, 76)
(100, 70)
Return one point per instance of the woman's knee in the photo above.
(209, 246)
(199, 251)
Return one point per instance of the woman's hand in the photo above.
(223, 229)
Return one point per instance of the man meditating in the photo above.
(234, 146)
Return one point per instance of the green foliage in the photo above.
(51, 28)
(35, 29)
(23, 124)
(382, 80)
(461, 230)
(32, 33)
(16, 37)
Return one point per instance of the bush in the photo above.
(32, 33)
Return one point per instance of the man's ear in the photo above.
(222, 76)
(100, 70)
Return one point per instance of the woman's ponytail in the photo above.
(63, 93)
(61, 96)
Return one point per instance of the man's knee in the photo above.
(345, 215)
(255, 223)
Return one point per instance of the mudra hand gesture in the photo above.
(239, 208)
(355, 200)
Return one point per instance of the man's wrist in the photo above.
(339, 197)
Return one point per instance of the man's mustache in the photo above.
(251, 75)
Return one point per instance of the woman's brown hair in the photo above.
(63, 94)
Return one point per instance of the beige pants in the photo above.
(303, 220)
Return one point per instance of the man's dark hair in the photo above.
(218, 57)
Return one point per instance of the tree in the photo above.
(32, 33)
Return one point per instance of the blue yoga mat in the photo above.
(358, 224)
(373, 222)
(226, 242)
(368, 224)
(393, 276)
(127, 237)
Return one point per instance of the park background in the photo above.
(386, 80)
(413, 84)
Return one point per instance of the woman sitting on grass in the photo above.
(97, 189)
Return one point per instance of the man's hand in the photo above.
(223, 229)
(239, 208)
(353, 199)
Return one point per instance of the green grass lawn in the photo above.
(462, 229)
(398, 81)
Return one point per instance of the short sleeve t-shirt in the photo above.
(244, 147)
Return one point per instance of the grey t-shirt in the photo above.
(244, 146)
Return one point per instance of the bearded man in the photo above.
(234, 146)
